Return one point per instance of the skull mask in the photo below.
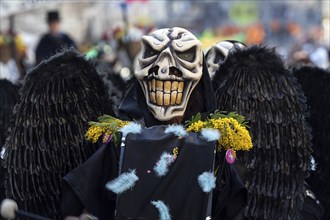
(169, 69)
(217, 54)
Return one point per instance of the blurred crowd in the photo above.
(118, 45)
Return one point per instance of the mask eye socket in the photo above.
(149, 51)
(219, 57)
(188, 55)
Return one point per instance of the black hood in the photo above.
(202, 99)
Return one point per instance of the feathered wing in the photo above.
(315, 83)
(255, 83)
(46, 139)
(8, 99)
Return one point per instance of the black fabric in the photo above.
(70, 202)
(49, 45)
(86, 188)
(315, 83)
(179, 188)
(230, 195)
(87, 182)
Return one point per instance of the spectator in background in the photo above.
(12, 56)
(54, 40)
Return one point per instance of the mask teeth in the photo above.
(165, 93)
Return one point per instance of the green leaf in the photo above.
(222, 114)
(194, 119)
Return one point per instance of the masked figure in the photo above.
(155, 173)
(46, 139)
(254, 82)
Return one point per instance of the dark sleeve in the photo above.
(70, 203)
(86, 185)
(230, 195)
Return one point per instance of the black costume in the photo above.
(315, 83)
(86, 188)
(255, 83)
(46, 140)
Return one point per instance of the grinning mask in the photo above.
(169, 68)
(217, 54)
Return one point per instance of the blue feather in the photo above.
(164, 212)
(161, 167)
(123, 182)
(177, 130)
(207, 181)
(132, 127)
(210, 134)
(2, 154)
(313, 164)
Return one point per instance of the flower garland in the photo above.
(232, 127)
(107, 126)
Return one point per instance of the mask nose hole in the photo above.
(153, 70)
(175, 71)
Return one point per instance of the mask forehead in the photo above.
(158, 40)
(169, 68)
(183, 39)
(178, 38)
